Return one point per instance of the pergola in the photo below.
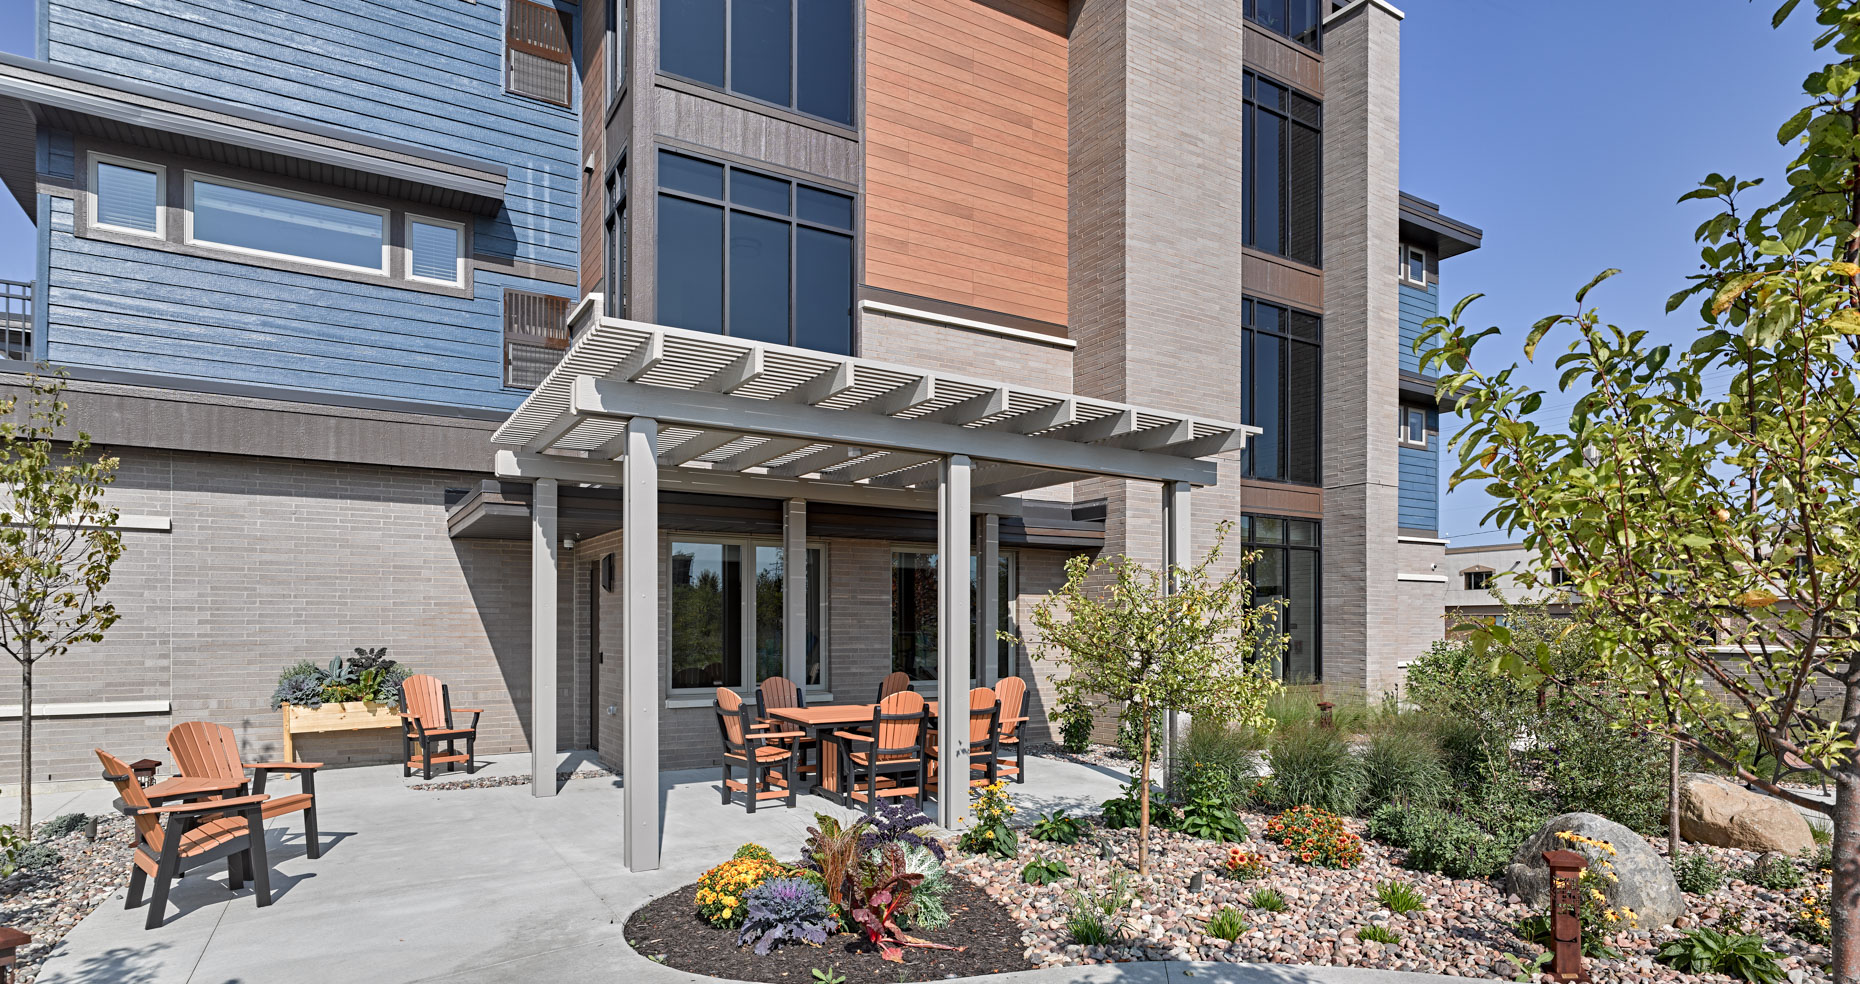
(645, 407)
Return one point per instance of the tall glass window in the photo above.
(1284, 574)
(748, 254)
(792, 53)
(619, 290)
(1300, 20)
(728, 614)
(1282, 392)
(914, 615)
(1282, 180)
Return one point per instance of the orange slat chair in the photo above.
(1013, 694)
(203, 750)
(893, 683)
(894, 748)
(195, 833)
(779, 692)
(984, 735)
(426, 719)
(768, 758)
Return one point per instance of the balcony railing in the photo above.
(15, 320)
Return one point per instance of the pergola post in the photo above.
(794, 591)
(1175, 555)
(543, 617)
(639, 553)
(952, 638)
(988, 601)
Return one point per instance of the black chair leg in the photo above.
(312, 847)
(426, 757)
(164, 874)
(753, 782)
(406, 756)
(255, 858)
(471, 755)
(234, 880)
(138, 879)
(726, 782)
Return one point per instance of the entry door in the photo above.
(594, 655)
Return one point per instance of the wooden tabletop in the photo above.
(834, 714)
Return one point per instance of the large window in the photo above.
(727, 614)
(792, 53)
(276, 223)
(1282, 392)
(914, 621)
(618, 288)
(1283, 176)
(1284, 575)
(747, 254)
(1300, 20)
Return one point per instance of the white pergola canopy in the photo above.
(645, 407)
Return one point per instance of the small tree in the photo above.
(1712, 538)
(1179, 639)
(57, 545)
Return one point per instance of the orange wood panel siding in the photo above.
(966, 152)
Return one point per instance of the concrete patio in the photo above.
(474, 885)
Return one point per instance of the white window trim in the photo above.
(161, 194)
(1406, 441)
(1008, 605)
(386, 216)
(1408, 253)
(748, 602)
(458, 265)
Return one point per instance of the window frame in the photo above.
(1249, 541)
(793, 220)
(192, 177)
(793, 106)
(1009, 609)
(569, 41)
(748, 614)
(1251, 109)
(1405, 427)
(1250, 335)
(1408, 255)
(1483, 576)
(161, 194)
(460, 262)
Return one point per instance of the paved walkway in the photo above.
(493, 885)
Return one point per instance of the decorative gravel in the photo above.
(46, 902)
(493, 782)
(1465, 931)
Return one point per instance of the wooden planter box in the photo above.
(355, 715)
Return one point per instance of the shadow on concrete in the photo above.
(119, 965)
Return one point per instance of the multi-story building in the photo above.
(301, 260)
(1485, 580)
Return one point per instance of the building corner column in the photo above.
(639, 552)
(544, 618)
(952, 639)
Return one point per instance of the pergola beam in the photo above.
(825, 458)
(898, 399)
(768, 450)
(823, 387)
(743, 370)
(978, 407)
(694, 447)
(1038, 419)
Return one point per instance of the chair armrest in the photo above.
(782, 734)
(1018, 720)
(283, 766)
(210, 806)
(849, 736)
(468, 710)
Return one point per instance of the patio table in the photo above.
(821, 722)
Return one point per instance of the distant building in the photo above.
(1474, 572)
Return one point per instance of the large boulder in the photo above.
(1645, 881)
(1723, 814)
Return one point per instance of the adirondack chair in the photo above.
(984, 733)
(193, 834)
(203, 750)
(1013, 694)
(893, 748)
(426, 720)
(768, 758)
(893, 683)
(778, 692)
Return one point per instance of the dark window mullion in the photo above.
(727, 210)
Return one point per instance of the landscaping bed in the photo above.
(669, 930)
(46, 902)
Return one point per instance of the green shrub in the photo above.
(1211, 818)
(1123, 812)
(1378, 934)
(755, 851)
(1400, 897)
(1774, 872)
(1097, 917)
(62, 824)
(32, 857)
(1405, 767)
(1214, 753)
(1441, 841)
(1267, 900)
(1227, 924)
(1313, 766)
(1698, 873)
(1057, 828)
(1075, 724)
(1130, 733)
(1821, 832)
(1041, 871)
(1708, 951)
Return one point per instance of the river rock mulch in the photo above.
(668, 930)
(494, 782)
(46, 902)
(1465, 931)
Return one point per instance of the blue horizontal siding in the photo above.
(1417, 306)
(426, 72)
(145, 310)
(1417, 503)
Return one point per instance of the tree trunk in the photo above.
(1143, 801)
(25, 745)
(1844, 899)
(1672, 799)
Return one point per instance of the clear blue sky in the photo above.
(1565, 131)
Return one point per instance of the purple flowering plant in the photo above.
(785, 909)
(898, 823)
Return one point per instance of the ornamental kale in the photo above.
(785, 909)
(303, 690)
(900, 822)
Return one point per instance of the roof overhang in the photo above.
(1423, 225)
(109, 107)
(738, 417)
